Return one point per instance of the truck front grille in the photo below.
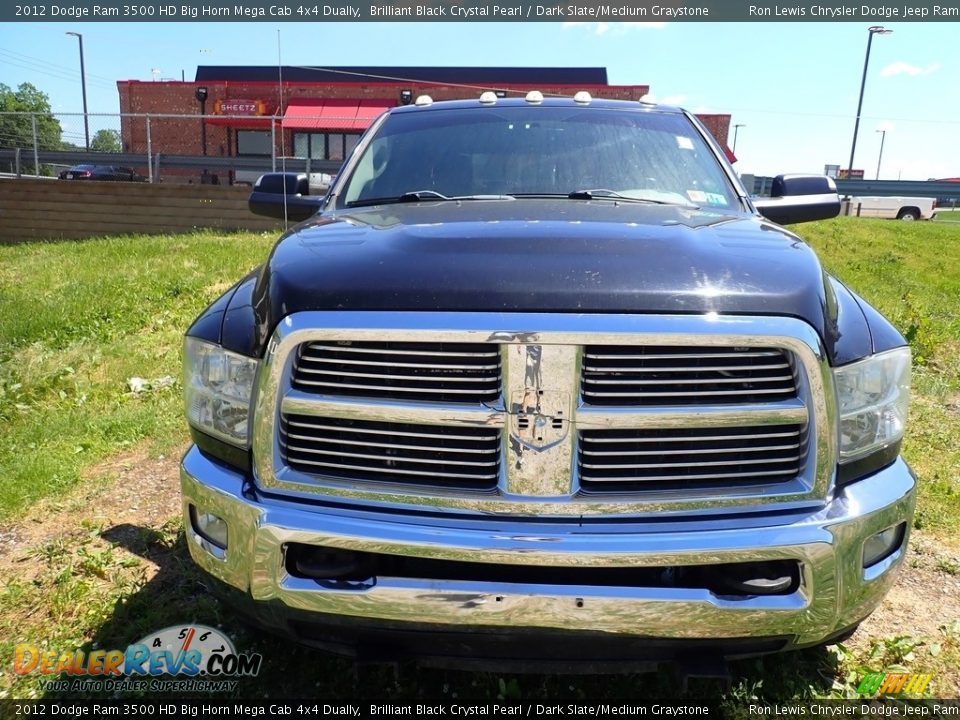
(547, 414)
(433, 372)
(690, 458)
(459, 457)
(631, 375)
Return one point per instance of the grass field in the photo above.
(78, 320)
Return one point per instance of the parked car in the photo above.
(100, 172)
(538, 383)
(893, 208)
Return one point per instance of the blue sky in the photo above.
(793, 86)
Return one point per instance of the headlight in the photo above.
(873, 396)
(218, 386)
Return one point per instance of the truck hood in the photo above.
(595, 256)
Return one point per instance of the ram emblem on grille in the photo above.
(537, 414)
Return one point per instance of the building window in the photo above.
(324, 146)
(254, 142)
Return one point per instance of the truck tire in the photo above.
(908, 214)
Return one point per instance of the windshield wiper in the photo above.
(602, 194)
(614, 195)
(598, 192)
(418, 195)
(422, 195)
(412, 196)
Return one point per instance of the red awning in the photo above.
(333, 114)
(367, 112)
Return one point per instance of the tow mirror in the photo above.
(284, 196)
(800, 198)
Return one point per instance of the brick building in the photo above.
(320, 113)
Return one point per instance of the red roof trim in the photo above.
(417, 84)
(253, 121)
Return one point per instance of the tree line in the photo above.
(17, 130)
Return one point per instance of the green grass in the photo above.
(911, 273)
(950, 214)
(78, 319)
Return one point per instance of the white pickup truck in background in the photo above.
(899, 208)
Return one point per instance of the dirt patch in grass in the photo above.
(132, 489)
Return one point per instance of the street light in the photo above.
(201, 94)
(736, 129)
(83, 87)
(872, 30)
(883, 137)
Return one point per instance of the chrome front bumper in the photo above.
(834, 593)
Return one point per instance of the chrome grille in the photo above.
(456, 457)
(632, 375)
(408, 440)
(690, 458)
(435, 372)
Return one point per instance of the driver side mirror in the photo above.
(285, 196)
(800, 198)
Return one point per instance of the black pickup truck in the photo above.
(537, 382)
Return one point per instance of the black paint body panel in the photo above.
(546, 255)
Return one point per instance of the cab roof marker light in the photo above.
(423, 101)
(583, 98)
(488, 98)
(534, 97)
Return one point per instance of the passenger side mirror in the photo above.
(285, 196)
(800, 198)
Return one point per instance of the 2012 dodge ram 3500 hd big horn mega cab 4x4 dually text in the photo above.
(538, 381)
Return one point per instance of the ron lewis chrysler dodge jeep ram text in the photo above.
(537, 381)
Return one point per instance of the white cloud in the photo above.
(618, 28)
(674, 100)
(904, 68)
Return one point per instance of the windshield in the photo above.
(582, 153)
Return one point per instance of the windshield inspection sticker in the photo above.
(684, 143)
(697, 196)
(715, 199)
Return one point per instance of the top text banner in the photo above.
(870, 11)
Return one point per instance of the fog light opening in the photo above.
(879, 547)
(210, 527)
(328, 564)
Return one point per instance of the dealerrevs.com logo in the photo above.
(177, 658)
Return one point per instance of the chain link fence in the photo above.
(169, 148)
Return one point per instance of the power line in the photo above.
(419, 81)
(52, 73)
(52, 65)
(838, 116)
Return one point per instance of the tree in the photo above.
(106, 141)
(16, 130)
(17, 107)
